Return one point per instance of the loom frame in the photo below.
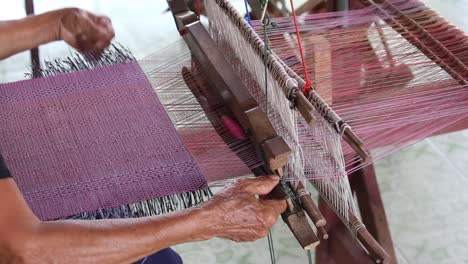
(224, 84)
(196, 39)
(342, 248)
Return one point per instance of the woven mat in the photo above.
(83, 141)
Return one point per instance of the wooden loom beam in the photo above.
(341, 248)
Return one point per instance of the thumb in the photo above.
(261, 185)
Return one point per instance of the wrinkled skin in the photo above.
(235, 213)
(239, 215)
(84, 30)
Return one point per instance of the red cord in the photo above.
(308, 85)
(198, 9)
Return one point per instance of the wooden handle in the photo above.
(313, 212)
(376, 252)
(305, 108)
(323, 232)
(356, 144)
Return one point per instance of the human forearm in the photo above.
(112, 241)
(234, 213)
(80, 29)
(27, 33)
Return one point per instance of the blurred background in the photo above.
(424, 187)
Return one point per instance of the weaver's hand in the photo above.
(84, 30)
(239, 215)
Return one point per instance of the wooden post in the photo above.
(29, 6)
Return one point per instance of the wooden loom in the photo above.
(341, 247)
(225, 87)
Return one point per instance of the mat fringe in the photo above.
(152, 207)
(115, 54)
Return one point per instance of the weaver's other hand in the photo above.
(239, 215)
(84, 30)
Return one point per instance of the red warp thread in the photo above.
(308, 85)
(198, 9)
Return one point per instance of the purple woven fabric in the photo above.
(94, 139)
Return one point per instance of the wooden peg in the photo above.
(356, 144)
(309, 206)
(376, 252)
(323, 232)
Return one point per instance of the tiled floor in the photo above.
(423, 186)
